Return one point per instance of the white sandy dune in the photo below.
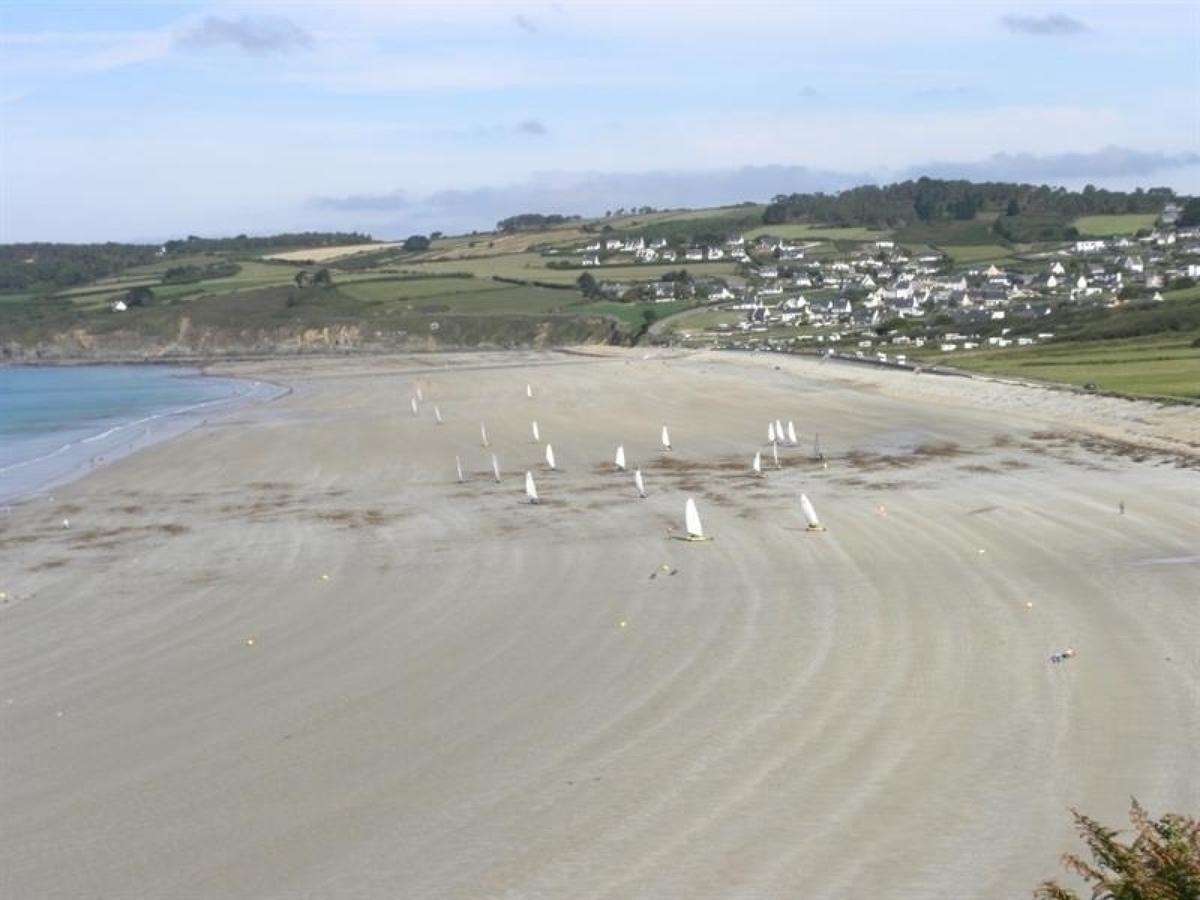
(286, 655)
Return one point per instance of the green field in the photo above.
(809, 231)
(410, 289)
(701, 320)
(630, 313)
(973, 253)
(950, 231)
(1107, 226)
(681, 215)
(1158, 366)
(504, 299)
(532, 267)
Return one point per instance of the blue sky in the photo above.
(145, 120)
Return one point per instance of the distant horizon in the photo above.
(400, 232)
(129, 122)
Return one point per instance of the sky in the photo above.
(147, 120)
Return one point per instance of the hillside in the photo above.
(548, 280)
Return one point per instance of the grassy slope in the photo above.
(809, 231)
(391, 293)
(532, 267)
(631, 313)
(1155, 366)
(967, 254)
(1106, 226)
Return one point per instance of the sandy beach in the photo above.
(286, 655)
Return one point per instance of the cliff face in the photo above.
(190, 340)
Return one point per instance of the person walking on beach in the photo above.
(1121, 508)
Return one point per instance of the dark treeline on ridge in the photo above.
(928, 199)
(300, 240)
(30, 266)
(532, 222)
(47, 266)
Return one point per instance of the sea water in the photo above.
(57, 424)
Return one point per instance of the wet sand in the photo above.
(286, 655)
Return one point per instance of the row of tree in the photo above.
(533, 222)
(42, 266)
(930, 199)
(299, 240)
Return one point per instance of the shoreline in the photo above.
(122, 438)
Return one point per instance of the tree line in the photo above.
(40, 266)
(930, 199)
(299, 240)
(533, 222)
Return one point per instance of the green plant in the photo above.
(1162, 862)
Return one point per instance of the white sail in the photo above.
(537, 435)
(692, 519)
(757, 462)
(775, 454)
(420, 396)
(620, 460)
(530, 488)
(412, 402)
(458, 465)
(550, 456)
(817, 454)
(529, 391)
(641, 485)
(770, 432)
(483, 433)
(810, 514)
(495, 468)
(437, 414)
(778, 431)
(666, 438)
(792, 433)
